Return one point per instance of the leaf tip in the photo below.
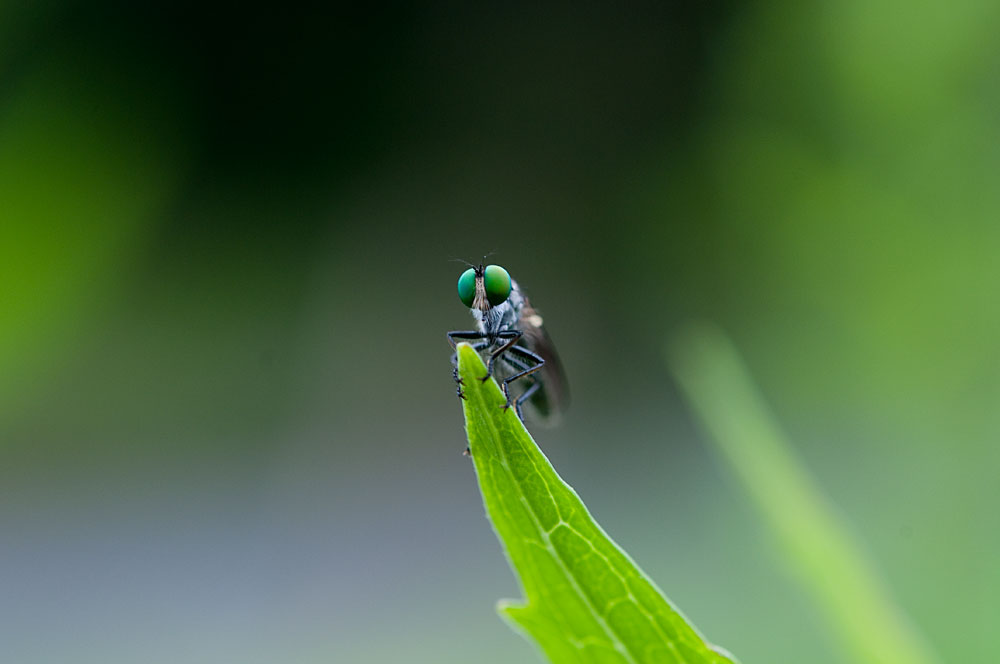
(467, 358)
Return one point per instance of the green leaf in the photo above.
(586, 601)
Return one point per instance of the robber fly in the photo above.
(511, 331)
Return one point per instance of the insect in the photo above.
(512, 331)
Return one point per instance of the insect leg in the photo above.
(512, 336)
(526, 354)
(519, 364)
(454, 364)
(463, 334)
(524, 397)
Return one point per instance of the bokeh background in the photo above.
(228, 429)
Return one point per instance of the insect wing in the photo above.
(552, 396)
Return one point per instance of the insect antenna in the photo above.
(462, 261)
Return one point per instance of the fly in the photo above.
(512, 332)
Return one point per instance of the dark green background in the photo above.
(227, 423)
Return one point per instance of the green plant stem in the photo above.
(815, 539)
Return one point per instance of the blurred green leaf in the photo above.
(818, 544)
(84, 168)
(586, 601)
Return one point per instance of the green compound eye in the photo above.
(497, 282)
(467, 287)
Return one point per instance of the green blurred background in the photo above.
(227, 423)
